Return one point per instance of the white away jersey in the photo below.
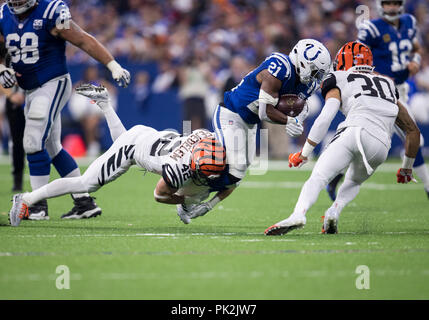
(169, 154)
(368, 100)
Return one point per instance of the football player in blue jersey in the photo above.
(35, 33)
(254, 99)
(394, 42)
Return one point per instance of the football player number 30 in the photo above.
(27, 51)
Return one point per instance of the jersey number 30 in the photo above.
(23, 48)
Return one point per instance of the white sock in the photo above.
(38, 181)
(309, 194)
(346, 193)
(54, 189)
(75, 174)
(115, 125)
(423, 174)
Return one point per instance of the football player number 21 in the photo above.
(24, 48)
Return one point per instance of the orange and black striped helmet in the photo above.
(208, 160)
(353, 54)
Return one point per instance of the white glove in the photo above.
(294, 127)
(200, 210)
(183, 212)
(7, 77)
(119, 74)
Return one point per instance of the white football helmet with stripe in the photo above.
(311, 60)
(390, 16)
(20, 6)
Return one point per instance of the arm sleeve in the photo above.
(172, 176)
(321, 124)
(329, 83)
(57, 15)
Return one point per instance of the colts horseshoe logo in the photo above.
(311, 46)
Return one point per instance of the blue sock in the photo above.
(39, 163)
(419, 159)
(64, 163)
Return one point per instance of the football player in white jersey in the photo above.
(394, 42)
(370, 102)
(191, 166)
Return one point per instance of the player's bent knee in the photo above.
(31, 144)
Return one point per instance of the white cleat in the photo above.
(330, 221)
(183, 213)
(98, 94)
(293, 222)
(19, 210)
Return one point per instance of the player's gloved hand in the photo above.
(294, 127)
(296, 160)
(200, 210)
(183, 211)
(304, 113)
(7, 77)
(119, 74)
(405, 175)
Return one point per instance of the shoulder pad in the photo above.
(329, 83)
(278, 65)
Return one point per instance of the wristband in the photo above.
(407, 163)
(307, 149)
(214, 202)
(113, 66)
(417, 58)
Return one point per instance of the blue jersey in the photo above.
(392, 48)
(243, 99)
(36, 55)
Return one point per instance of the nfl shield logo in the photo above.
(230, 122)
(38, 24)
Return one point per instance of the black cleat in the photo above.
(84, 208)
(38, 211)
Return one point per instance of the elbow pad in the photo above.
(264, 99)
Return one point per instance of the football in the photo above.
(290, 104)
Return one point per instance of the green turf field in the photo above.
(139, 249)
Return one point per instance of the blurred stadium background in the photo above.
(184, 53)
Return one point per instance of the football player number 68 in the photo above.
(27, 52)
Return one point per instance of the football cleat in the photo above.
(96, 93)
(18, 211)
(330, 221)
(183, 212)
(38, 211)
(84, 208)
(287, 225)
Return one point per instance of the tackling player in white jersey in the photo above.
(371, 106)
(191, 166)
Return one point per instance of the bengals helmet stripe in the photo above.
(208, 159)
(353, 54)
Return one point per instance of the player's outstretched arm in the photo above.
(412, 143)
(81, 39)
(203, 208)
(319, 129)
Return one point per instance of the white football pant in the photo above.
(238, 138)
(342, 152)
